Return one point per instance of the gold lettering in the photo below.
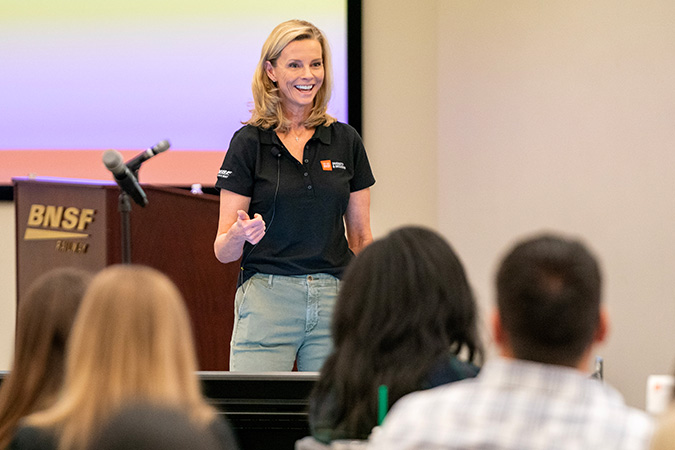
(70, 218)
(36, 215)
(71, 247)
(86, 217)
(53, 216)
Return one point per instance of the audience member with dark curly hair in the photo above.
(405, 318)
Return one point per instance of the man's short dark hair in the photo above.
(548, 295)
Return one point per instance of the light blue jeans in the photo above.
(278, 319)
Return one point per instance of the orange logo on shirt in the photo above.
(327, 165)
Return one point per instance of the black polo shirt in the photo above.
(302, 203)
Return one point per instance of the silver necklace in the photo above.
(297, 137)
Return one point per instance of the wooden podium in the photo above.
(68, 222)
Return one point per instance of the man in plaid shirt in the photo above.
(538, 393)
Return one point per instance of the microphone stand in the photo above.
(129, 174)
(124, 207)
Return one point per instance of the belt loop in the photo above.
(269, 280)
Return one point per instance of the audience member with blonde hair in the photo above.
(131, 342)
(45, 317)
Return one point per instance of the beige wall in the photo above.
(7, 283)
(488, 120)
(560, 116)
(400, 111)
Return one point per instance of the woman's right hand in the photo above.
(235, 227)
(251, 230)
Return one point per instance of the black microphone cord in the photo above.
(240, 282)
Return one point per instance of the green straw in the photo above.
(382, 403)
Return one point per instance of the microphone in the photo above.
(124, 177)
(275, 151)
(135, 163)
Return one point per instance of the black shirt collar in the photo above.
(322, 133)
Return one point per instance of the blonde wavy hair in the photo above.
(131, 342)
(267, 105)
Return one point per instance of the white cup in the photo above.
(659, 393)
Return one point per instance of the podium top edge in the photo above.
(262, 376)
(78, 181)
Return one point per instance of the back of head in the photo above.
(44, 320)
(151, 427)
(131, 341)
(134, 327)
(406, 293)
(548, 295)
(404, 304)
(267, 101)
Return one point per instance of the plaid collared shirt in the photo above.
(515, 404)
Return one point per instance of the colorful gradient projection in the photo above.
(124, 74)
